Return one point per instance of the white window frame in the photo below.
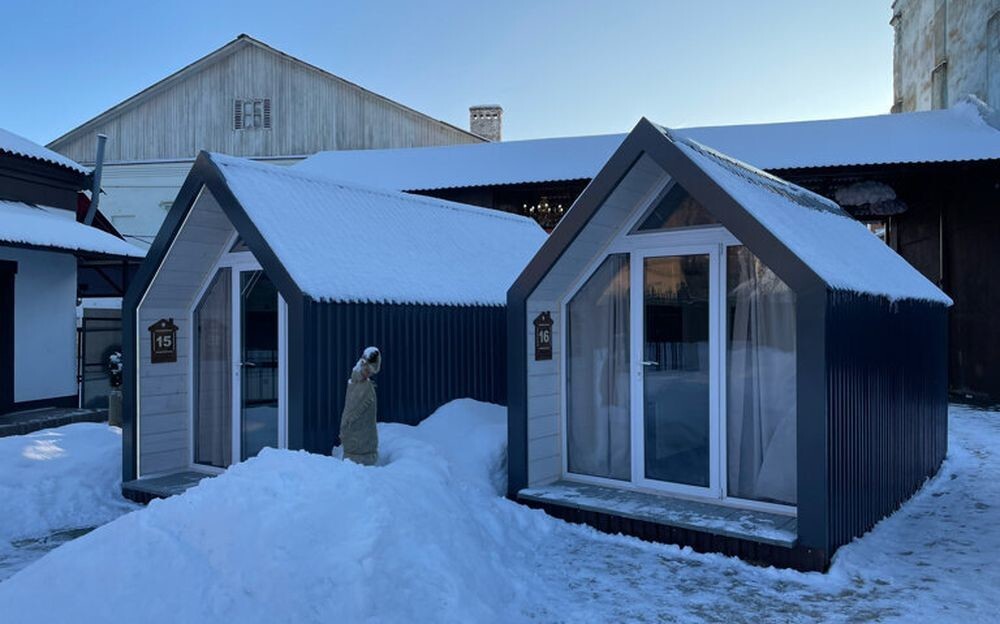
(711, 240)
(237, 262)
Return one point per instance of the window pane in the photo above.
(677, 209)
(676, 369)
(597, 371)
(248, 114)
(213, 414)
(761, 392)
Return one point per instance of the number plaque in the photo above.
(163, 341)
(543, 336)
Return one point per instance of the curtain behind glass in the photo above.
(597, 370)
(214, 374)
(760, 400)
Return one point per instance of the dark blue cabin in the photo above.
(731, 362)
(263, 287)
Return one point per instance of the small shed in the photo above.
(263, 287)
(732, 362)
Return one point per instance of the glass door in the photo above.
(675, 424)
(258, 372)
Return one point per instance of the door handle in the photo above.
(249, 364)
(650, 363)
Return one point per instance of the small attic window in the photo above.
(252, 114)
(675, 209)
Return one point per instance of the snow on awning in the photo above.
(17, 145)
(41, 226)
(955, 134)
(342, 242)
(838, 248)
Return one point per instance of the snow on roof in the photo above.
(19, 146)
(41, 226)
(342, 242)
(955, 134)
(838, 248)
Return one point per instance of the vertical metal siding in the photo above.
(887, 396)
(432, 354)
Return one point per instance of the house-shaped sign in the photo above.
(163, 341)
(543, 336)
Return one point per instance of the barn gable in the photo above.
(198, 107)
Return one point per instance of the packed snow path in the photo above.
(292, 536)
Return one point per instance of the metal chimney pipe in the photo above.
(95, 191)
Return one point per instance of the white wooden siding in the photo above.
(164, 400)
(311, 111)
(545, 379)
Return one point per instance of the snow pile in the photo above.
(343, 242)
(59, 479)
(290, 536)
(52, 227)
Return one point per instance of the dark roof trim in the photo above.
(647, 139)
(232, 47)
(205, 174)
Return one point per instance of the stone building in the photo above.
(943, 51)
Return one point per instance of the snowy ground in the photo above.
(295, 537)
(56, 485)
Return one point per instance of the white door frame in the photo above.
(237, 262)
(641, 245)
(637, 310)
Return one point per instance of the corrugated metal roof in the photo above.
(956, 134)
(40, 226)
(351, 243)
(17, 145)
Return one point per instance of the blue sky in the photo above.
(558, 68)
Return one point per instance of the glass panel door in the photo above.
(676, 421)
(258, 363)
(213, 379)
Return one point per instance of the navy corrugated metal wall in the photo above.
(431, 355)
(887, 392)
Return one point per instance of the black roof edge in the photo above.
(205, 173)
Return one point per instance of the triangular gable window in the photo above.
(676, 209)
(239, 245)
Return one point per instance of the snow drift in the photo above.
(59, 479)
(290, 536)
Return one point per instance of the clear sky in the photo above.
(558, 68)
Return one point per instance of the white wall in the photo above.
(139, 195)
(44, 323)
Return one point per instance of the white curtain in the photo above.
(761, 382)
(598, 428)
(214, 371)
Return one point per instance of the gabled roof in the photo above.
(17, 145)
(241, 41)
(956, 134)
(349, 243)
(806, 239)
(25, 225)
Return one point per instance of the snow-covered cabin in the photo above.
(705, 354)
(264, 286)
(42, 241)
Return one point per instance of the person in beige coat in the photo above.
(358, 433)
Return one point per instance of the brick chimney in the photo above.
(486, 120)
